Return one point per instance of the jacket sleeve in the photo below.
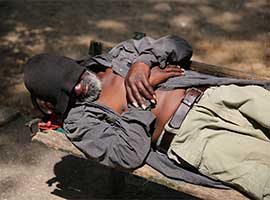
(122, 142)
(167, 50)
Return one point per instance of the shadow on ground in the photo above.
(77, 178)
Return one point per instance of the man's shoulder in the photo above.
(88, 109)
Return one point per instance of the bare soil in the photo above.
(232, 33)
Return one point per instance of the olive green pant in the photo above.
(226, 137)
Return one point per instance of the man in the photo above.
(219, 131)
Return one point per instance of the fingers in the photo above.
(174, 68)
(172, 71)
(131, 97)
(138, 90)
(135, 97)
(137, 84)
(140, 93)
(148, 89)
(138, 97)
(173, 74)
(136, 93)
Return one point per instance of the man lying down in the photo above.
(139, 103)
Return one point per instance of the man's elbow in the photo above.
(136, 162)
(130, 160)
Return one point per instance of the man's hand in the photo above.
(160, 75)
(141, 80)
(138, 85)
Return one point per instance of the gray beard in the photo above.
(95, 88)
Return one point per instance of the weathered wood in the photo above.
(225, 71)
(59, 141)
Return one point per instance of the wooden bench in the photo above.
(58, 141)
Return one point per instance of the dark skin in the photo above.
(114, 93)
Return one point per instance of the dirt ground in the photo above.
(232, 33)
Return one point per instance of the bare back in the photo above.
(113, 95)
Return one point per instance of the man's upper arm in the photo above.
(167, 50)
(121, 143)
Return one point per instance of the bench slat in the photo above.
(59, 141)
(226, 71)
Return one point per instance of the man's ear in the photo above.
(78, 89)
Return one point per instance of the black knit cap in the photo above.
(52, 78)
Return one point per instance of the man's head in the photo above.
(88, 88)
(56, 79)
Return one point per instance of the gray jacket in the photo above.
(124, 141)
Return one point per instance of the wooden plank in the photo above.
(59, 141)
(225, 71)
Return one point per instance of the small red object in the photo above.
(47, 126)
